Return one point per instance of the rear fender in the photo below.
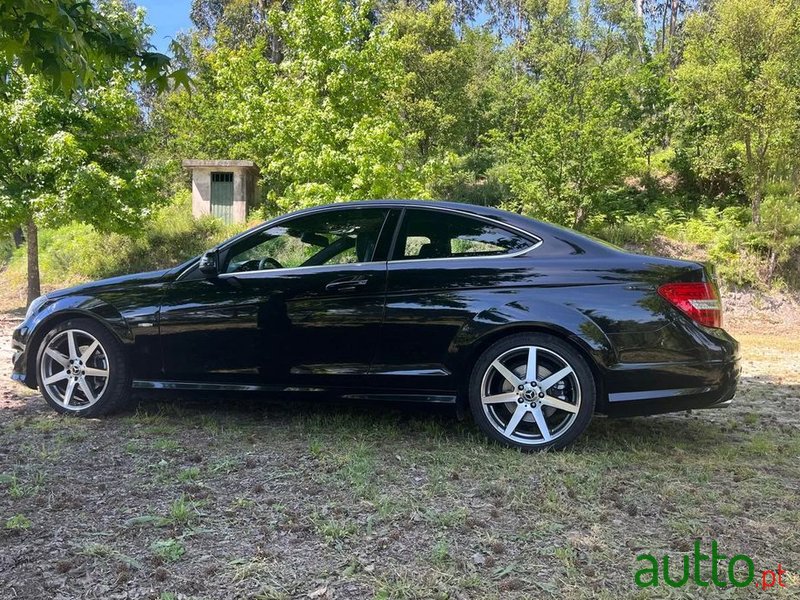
(573, 326)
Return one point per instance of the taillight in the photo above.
(699, 301)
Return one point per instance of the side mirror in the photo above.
(209, 264)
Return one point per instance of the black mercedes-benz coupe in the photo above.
(532, 326)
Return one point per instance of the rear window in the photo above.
(439, 234)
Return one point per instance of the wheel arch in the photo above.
(110, 319)
(587, 339)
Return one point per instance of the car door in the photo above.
(446, 268)
(296, 304)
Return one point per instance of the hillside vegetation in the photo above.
(668, 127)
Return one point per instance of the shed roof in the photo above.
(190, 163)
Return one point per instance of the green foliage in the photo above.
(18, 523)
(70, 254)
(169, 550)
(72, 42)
(677, 133)
(65, 160)
(743, 253)
(738, 90)
(317, 123)
(778, 235)
(571, 143)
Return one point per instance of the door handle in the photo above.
(346, 285)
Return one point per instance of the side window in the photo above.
(439, 234)
(325, 238)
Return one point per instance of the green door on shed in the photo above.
(222, 196)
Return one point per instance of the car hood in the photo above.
(119, 281)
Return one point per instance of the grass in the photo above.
(170, 550)
(18, 523)
(235, 499)
(333, 529)
(441, 552)
(17, 488)
(189, 474)
(255, 568)
(183, 512)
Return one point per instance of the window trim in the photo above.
(280, 223)
(186, 273)
(535, 240)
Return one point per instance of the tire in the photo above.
(82, 369)
(513, 409)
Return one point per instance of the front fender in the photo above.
(30, 333)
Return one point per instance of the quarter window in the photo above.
(439, 234)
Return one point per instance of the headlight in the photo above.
(35, 306)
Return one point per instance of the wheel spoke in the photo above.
(57, 356)
(89, 351)
(541, 423)
(553, 379)
(500, 398)
(559, 404)
(515, 419)
(68, 393)
(506, 373)
(87, 391)
(73, 351)
(93, 372)
(57, 377)
(530, 369)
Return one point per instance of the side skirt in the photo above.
(384, 396)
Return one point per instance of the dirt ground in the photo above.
(230, 498)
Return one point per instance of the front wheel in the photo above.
(532, 391)
(82, 369)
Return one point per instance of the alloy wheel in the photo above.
(531, 395)
(74, 369)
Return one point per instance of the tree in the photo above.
(568, 138)
(72, 156)
(739, 91)
(238, 23)
(71, 42)
(434, 101)
(322, 124)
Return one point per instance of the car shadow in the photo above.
(752, 410)
(759, 405)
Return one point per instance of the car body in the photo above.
(397, 300)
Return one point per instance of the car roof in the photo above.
(567, 241)
(576, 242)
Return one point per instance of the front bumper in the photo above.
(19, 360)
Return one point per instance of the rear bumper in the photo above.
(704, 385)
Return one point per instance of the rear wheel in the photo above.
(82, 369)
(532, 391)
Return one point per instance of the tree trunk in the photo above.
(773, 263)
(638, 6)
(580, 217)
(673, 19)
(275, 41)
(34, 283)
(757, 196)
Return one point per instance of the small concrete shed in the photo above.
(223, 188)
